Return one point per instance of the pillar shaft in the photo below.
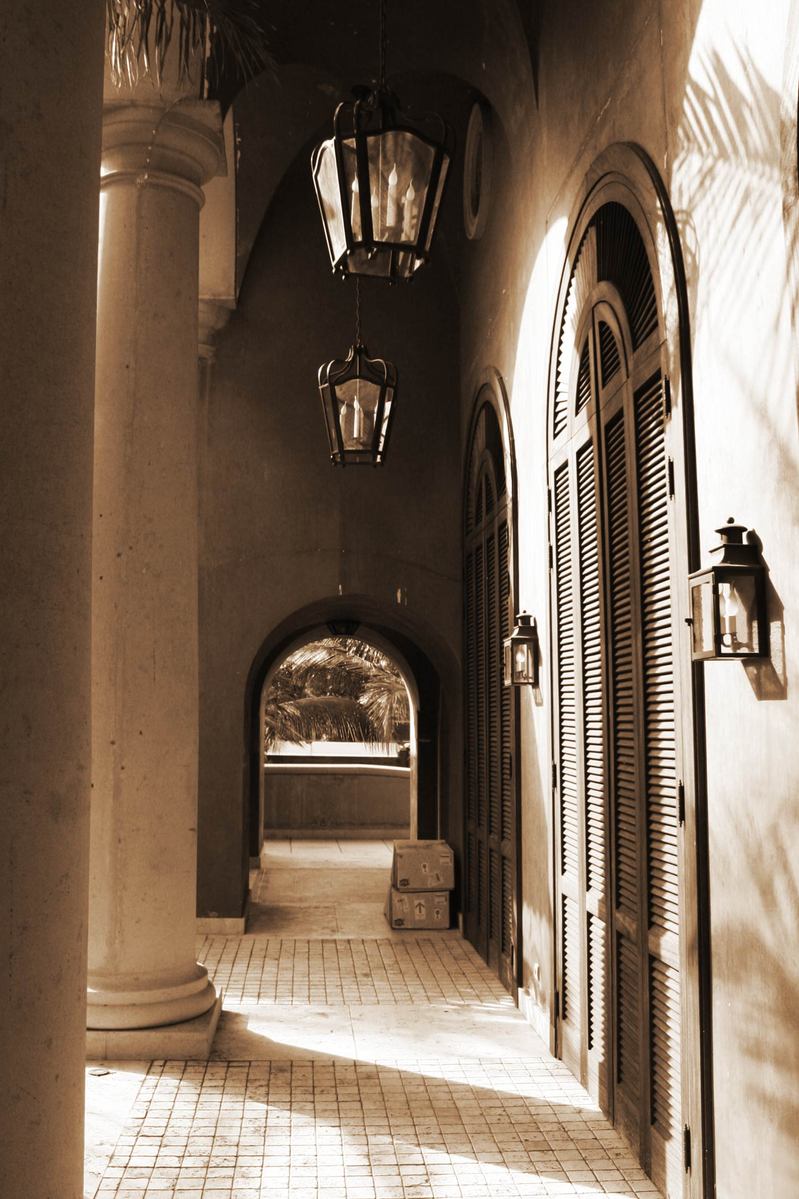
(142, 967)
(49, 159)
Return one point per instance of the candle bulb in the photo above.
(409, 213)
(355, 211)
(728, 611)
(391, 205)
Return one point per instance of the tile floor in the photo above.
(354, 1064)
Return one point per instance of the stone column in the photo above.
(51, 64)
(142, 968)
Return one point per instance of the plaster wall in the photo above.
(708, 90)
(316, 797)
(281, 528)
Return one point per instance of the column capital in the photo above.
(178, 145)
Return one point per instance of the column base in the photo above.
(189, 1041)
(118, 1002)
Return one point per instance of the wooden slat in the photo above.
(480, 636)
(584, 378)
(508, 830)
(492, 648)
(609, 354)
(622, 673)
(471, 690)
(658, 660)
(628, 1024)
(663, 884)
(567, 686)
(591, 669)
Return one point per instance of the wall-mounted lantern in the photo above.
(521, 653)
(728, 600)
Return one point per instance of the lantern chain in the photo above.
(383, 44)
(357, 310)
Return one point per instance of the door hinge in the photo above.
(671, 478)
(551, 557)
(549, 499)
(557, 1006)
(667, 397)
(554, 775)
(686, 1148)
(681, 802)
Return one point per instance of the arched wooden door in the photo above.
(491, 841)
(620, 760)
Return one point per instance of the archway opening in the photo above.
(338, 740)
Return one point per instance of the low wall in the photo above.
(315, 796)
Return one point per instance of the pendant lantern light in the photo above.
(379, 182)
(358, 394)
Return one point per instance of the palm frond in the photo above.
(223, 34)
(316, 718)
(339, 687)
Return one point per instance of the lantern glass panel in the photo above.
(738, 626)
(437, 201)
(357, 400)
(327, 186)
(702, 617)
(522, 663)
(400, 164)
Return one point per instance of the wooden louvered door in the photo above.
(579, 765)
(617, 766)
(644, 778)
(491, 805)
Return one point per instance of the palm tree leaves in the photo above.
(336, 689)
(223, 34)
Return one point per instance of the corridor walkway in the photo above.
(351, 1062)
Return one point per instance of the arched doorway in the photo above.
(339, 717)
(429, 676)
(492, 877)
(624, 736)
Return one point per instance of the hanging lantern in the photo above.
(379, 182)
(521, 653)
(728, 601)
(357, 400)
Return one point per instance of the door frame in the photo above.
(491, 390)
(626, 173)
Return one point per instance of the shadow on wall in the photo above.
(764, 980)
(728, 154)
(769, 677)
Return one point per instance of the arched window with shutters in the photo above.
(625, 880)
(491, 882)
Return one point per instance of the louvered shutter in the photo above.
(491, 807)
(662, 873)
(627, 803)
(567, 765)
(615, 706)
(592, 769)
